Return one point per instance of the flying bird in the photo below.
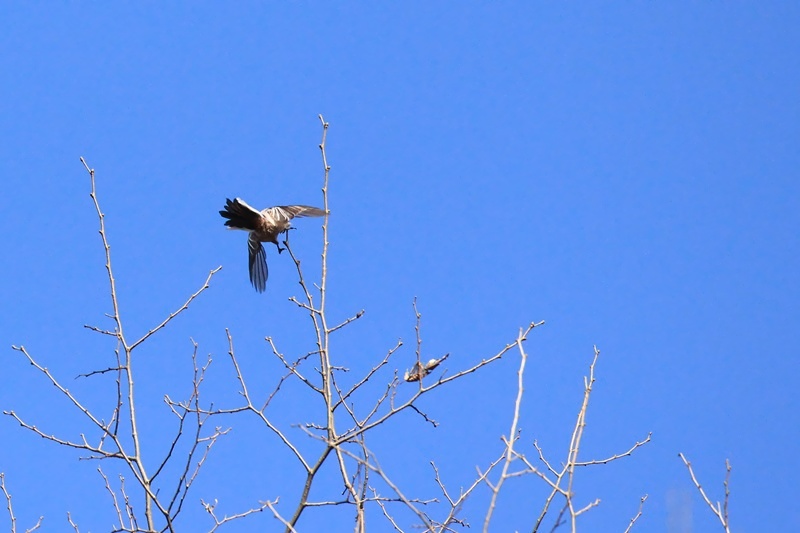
(264, 226)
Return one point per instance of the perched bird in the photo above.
(264, 226)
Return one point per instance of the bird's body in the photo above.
(264, 226)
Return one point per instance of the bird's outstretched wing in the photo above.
(258, 264)
(240, 215)
(292, 211)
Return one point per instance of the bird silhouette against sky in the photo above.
(263, 226)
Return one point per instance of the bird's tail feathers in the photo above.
(240, 215)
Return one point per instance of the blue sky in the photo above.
(626, 173)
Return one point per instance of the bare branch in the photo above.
(251, 407)
(587, 507)
(371, 373)
(113, 496)
(107, 248)
(60, 387)
(718, 510)
(8, 503)
(210, 508)
(386, 513)
(425, 389)
(73, 524)
(374, 466)
(513, 433)
(617, 456)
(346, 322)
(277, 515)
(638, 514)
(567, 473)
(292, 368)
(182, 308)
(101, 331)
(456, 505)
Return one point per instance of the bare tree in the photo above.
(117, 438)
(343, 435)
(351, 408)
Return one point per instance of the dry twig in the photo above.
(719, 510)
(638, 514)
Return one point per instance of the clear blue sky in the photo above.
(627, 173)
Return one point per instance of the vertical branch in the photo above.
(327, 371)
(126, 366)
(726, 483)
(117, 414)
(418, 318)
(327, 169)
(137, 451)
(512, 434)
(322, 333)
(8, 503)
(575, 442)
(322, 329)
(107, 248)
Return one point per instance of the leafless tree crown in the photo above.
(149, 497)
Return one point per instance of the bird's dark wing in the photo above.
(258, 264)
(292, 211)
(240, 215)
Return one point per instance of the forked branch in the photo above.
(719, 510)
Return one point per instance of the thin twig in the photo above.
(719, 511)
(182, 308)
(617, 456)
(72, 523)
(638, 514)
(8, 502)
(348, 321)
(210, 508)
